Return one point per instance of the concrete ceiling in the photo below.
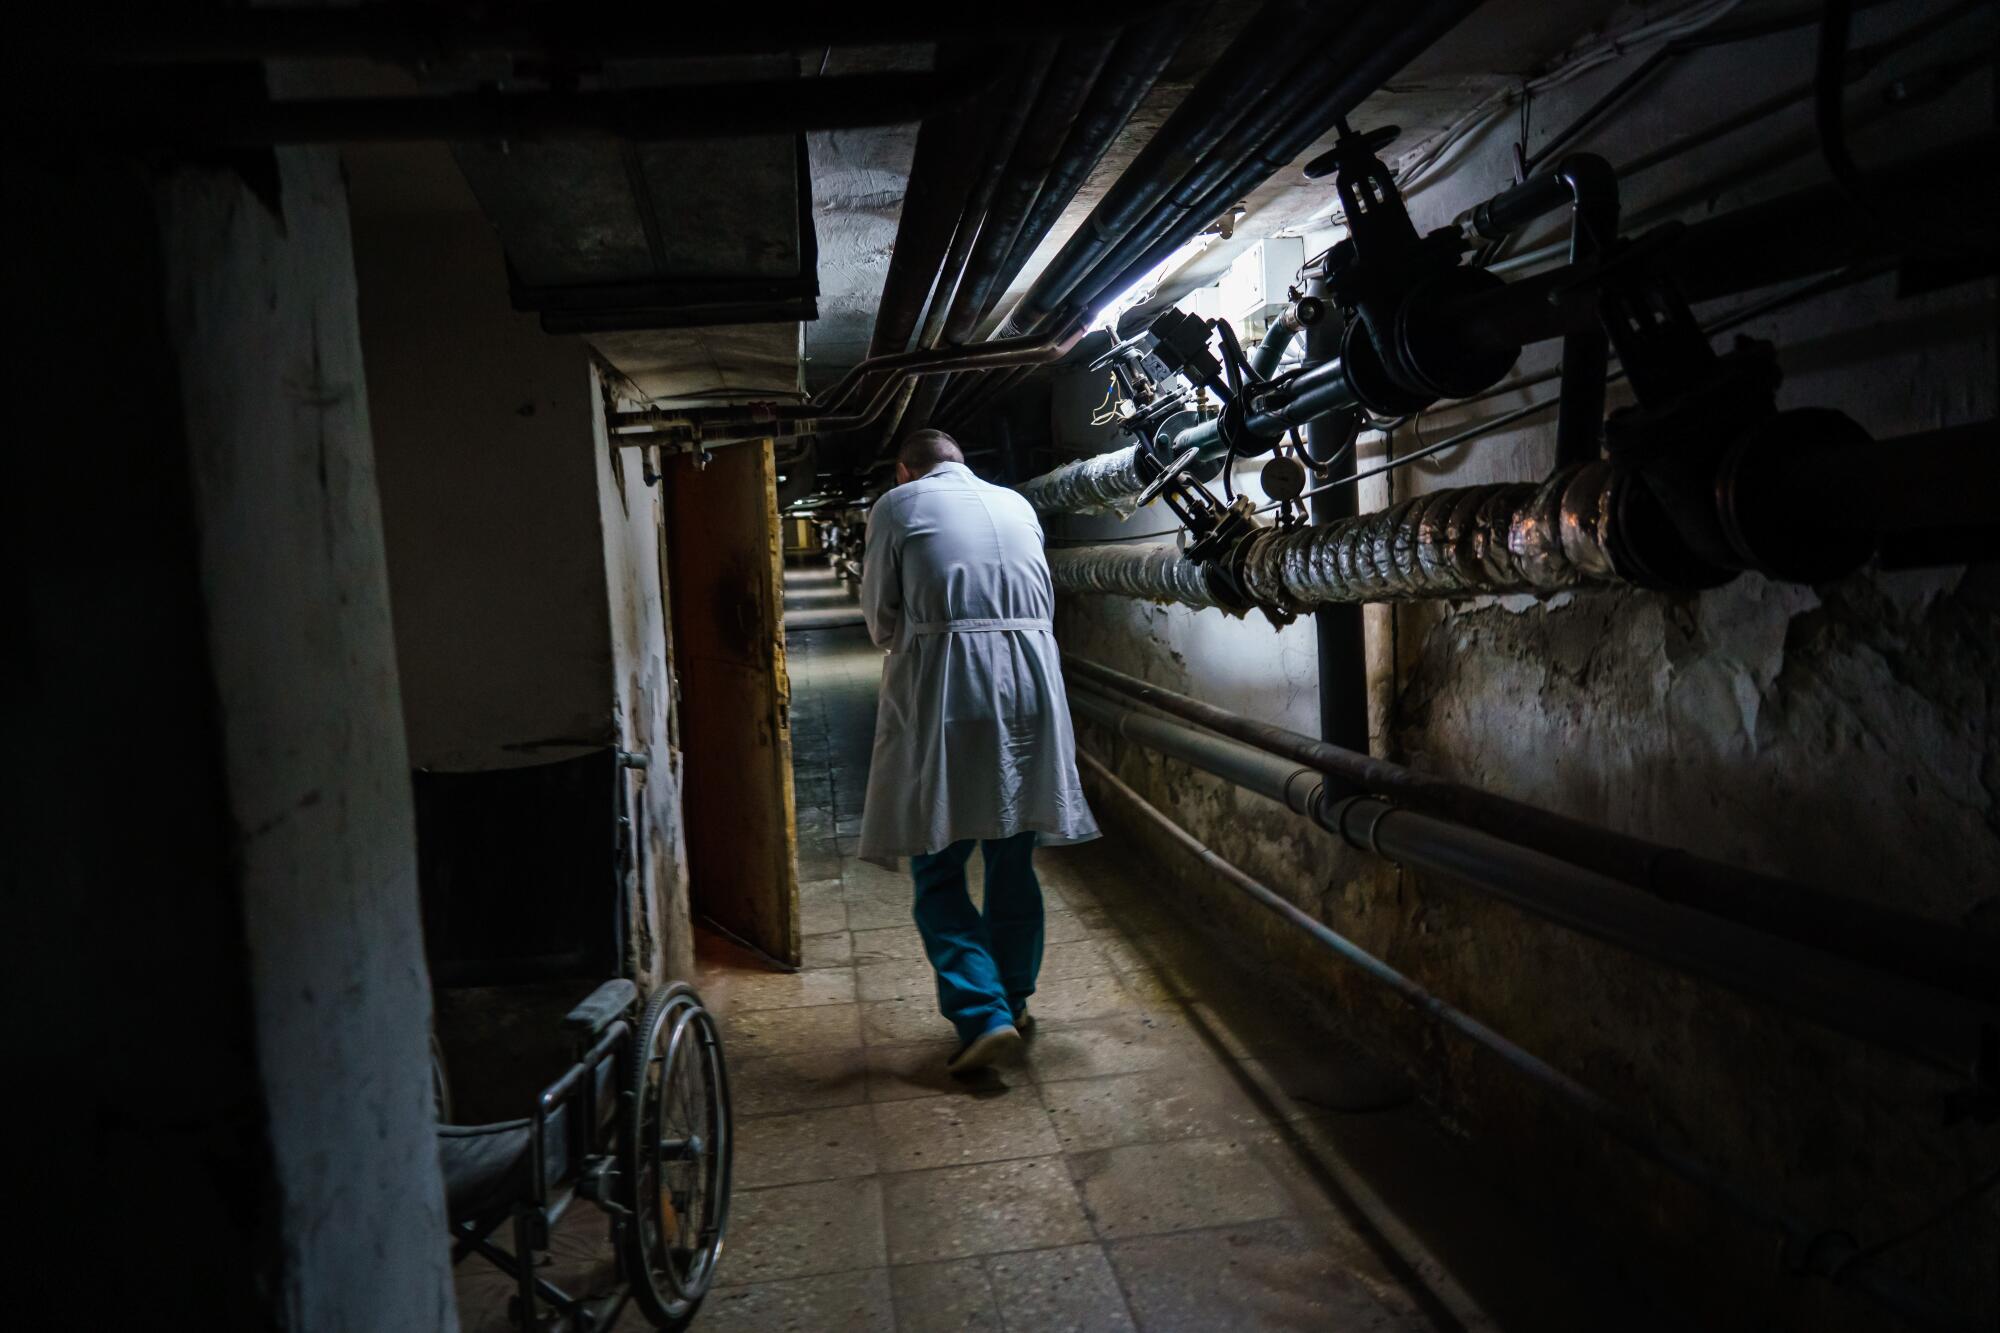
(859, 177)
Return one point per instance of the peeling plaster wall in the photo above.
(648, 704)
(1844, 734)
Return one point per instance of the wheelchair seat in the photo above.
(487, 1168)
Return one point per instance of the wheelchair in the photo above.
(638, 1126)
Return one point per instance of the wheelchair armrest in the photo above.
(601, 1006)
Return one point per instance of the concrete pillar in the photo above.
(216, 967)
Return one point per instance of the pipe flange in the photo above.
(1369, 377)
(1435, 350)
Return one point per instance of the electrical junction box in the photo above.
(1258, 284)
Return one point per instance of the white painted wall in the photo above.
(489, 493)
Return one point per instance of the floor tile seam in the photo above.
(1103, 1243)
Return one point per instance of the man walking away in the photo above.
(972, 736)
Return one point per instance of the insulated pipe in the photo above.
(1945, 1031)
(1930, 953)
(1811, 1248)
(1466, 541)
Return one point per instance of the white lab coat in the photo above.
(972, 735)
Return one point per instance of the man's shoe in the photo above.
(987, 1049)
(1025, 1021)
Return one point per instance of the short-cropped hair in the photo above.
(925, 449)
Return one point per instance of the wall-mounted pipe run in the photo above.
(1808, 1248)
(1929, 953)
(1808, 232)
(1948, 1032)
(1466, 541)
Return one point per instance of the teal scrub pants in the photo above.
(986, 963)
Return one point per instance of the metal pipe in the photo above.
(1070, 77)
(1331, 46)
(1129, 74)
(1946, 1031)
(1152, 573)
(760, 420)
(1468, 541)
(1887, 940)
(1265, 360)
(727, 111)
(1251, 69)
(1378, 42)
(1812, 1249)
(940, 174)
(1339, 646)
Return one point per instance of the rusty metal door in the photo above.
(726, 573)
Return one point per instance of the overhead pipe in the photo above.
(1811, 1249)
(941, 172)
(1154, 215)
(1810, 231)
(1378, 43)
(1948, 1032)
(1929, 953)
(1252, 68)
(757, 421)
(1071, 76)
(916, 406)
(1130, 72)
(1351, 53)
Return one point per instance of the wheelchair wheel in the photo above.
(677, 1148)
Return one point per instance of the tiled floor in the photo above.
(1175, 1154)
